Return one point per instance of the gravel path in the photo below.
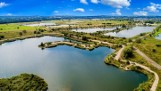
(148, 59)
(118, 54)
(156, 81)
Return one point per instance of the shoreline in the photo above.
(116, 60)
(30, 36)
(57, 35)
(144, 69)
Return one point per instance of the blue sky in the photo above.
(80, 7)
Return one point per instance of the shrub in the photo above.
(84, 38)
(24, 31)
(128, 62)
(142, 34)
(129, 40)
(123, 26)
(42, 44)
(34, 32)
(158, 45)
(20, 33)
(37, 32)
(41, 30)
(138, 40)
(128, 52)
(153, 50)
(1, 36)
(150, 35)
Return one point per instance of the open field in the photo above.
(15, 27)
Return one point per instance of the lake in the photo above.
(93, 30)
(66, 68)
(158, 37)
(132, 31)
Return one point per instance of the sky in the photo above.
(80, 7)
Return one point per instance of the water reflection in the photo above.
(132, 31)
(92, 30)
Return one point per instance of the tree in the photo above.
(1, 37)
(42, 44)
(18, 27)
(34, 32)
(128, 52)
(123, 26)
(20, 33)
(84, 38)
(153, 50)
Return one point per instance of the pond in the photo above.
(40, 24)
(66, 68)
(158, 37)
(93, 30)
(132, 31)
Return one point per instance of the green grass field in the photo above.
(151, 47)
(15, 27)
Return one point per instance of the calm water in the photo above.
(132, 31)
(159, 37)
(66, 68)
(93, 30)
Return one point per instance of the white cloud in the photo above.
(84, 1)
(117, 3)
(95, 1)
(79, 10)
(118, 12)
(140, 13)
(3, 4)
(153, 7)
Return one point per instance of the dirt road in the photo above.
(148, 59)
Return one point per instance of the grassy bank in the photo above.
(137, 58)
(157, 31)
(124, 63)
(151, 47)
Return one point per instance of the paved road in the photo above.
(148, 59)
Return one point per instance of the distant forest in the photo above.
(15, 19)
